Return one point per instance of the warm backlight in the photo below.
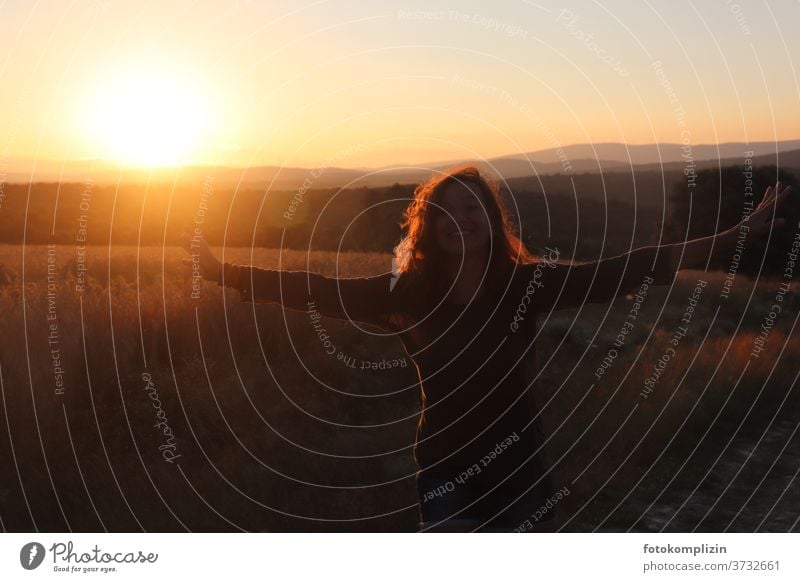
(149, 117)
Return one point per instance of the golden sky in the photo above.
(358, 83)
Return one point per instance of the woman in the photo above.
(463, 298)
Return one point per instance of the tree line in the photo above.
(579, 213)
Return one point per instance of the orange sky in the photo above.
(373, 84)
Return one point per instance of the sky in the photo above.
(369, 84)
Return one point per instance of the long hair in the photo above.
(418, 259)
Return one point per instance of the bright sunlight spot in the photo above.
(149, 117)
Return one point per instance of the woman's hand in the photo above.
(763, 217)
(759, 221)
(208, 265)
(695, 252)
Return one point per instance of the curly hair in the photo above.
(418, 259)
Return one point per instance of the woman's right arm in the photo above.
(365, 299)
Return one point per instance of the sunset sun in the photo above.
(149, 118)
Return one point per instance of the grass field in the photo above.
(131, 406)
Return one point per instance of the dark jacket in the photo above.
(476, 362)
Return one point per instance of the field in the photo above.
(129, 405)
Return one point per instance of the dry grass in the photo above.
(264, 445)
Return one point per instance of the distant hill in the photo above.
(654, 153)
(571, 159)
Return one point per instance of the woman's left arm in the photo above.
(564, 286)
(693, 252)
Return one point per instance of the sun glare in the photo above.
(149, 117)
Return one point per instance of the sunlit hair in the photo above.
(419, 259)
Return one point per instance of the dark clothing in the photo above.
(475, 363)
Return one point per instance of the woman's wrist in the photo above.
(228, 275)
(214, 273)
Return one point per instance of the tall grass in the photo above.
(274, 434)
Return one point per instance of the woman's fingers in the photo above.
(774, 193)
(186, 238)
(764, 218)
(777, 198)
(765, 198)
(778, 194)
(773, 196)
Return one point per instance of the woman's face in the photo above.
(461, 223)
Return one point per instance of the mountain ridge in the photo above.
(612, 157)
